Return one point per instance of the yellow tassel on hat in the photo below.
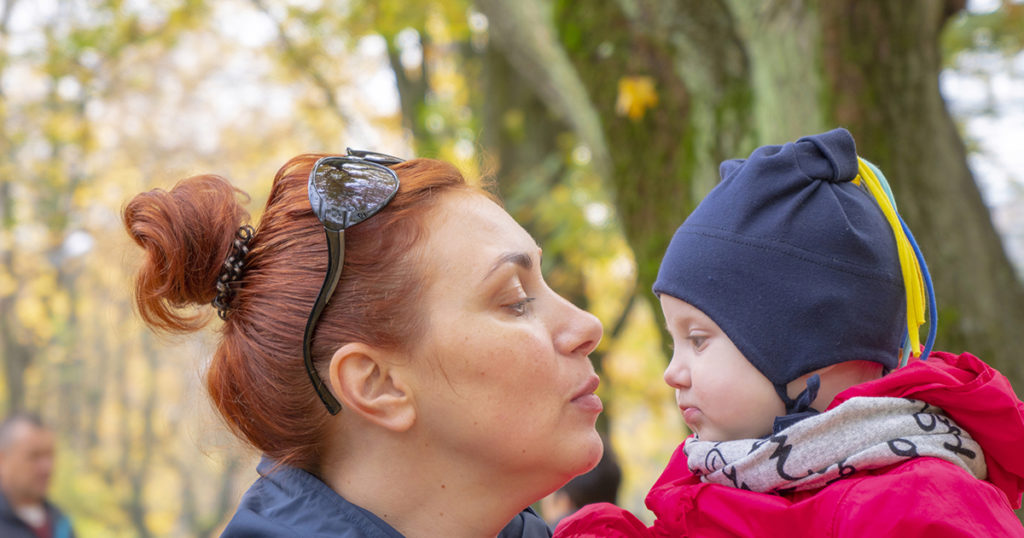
(913, 281)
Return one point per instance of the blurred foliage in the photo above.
(998, 30)
(102, 99)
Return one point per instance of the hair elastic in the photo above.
(232, 270)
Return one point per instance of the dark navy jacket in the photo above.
(293, 503)
(11, 526)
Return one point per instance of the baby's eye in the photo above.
(697, 341)
(521, 307)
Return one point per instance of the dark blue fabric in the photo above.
(526, 525)
(793, 261)
(289, 502)
(798, 408)
(11, 526)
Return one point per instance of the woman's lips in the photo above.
(589, 402)
(586, 398)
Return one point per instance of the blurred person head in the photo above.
(26, 459)
(447, 359)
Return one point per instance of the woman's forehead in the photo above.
(469, 234)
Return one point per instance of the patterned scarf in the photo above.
(859, 434)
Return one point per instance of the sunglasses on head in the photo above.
(344, 190)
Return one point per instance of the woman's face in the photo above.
(503, 380)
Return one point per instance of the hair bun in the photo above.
(187, 233)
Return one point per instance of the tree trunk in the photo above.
(666, 160)
(730, 75)
(13, 353)
(525, 33)
(16, 358)
(882, 64)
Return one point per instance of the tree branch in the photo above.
(303, 64)
(525, 33)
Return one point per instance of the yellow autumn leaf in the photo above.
(636, 95)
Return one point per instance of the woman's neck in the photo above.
(421, 493)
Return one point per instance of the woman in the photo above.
(389, 344)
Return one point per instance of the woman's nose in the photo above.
(580, 332)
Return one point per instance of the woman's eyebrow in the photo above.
(521, 259)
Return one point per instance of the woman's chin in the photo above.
(592, 448)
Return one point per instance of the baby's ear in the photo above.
(825, 369)
(363, 380)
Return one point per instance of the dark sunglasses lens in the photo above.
(351, 192)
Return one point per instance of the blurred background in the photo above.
(601, 123)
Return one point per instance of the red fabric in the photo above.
(920, 497)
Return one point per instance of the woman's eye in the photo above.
(521, 307)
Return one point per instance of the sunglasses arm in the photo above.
(335, 260)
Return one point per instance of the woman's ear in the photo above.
(363, 380)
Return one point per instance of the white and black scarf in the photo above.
(859, 434)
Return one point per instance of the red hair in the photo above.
(257, 379)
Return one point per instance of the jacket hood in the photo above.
(975, 396)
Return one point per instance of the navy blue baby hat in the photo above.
(793, 261)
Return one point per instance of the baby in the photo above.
(793, 294)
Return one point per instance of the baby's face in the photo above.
(721, 395)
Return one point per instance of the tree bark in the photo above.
(525, 33)
(731, 75)
(665, 161)
(881, 63)
(15, 355)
